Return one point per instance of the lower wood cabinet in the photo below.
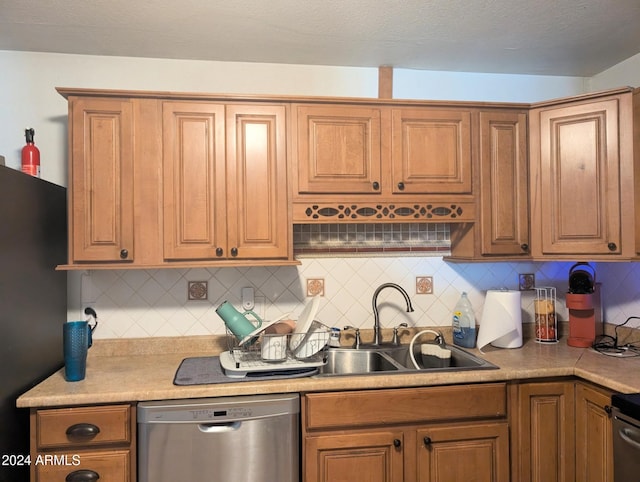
(463, 452)
(83, 443)
(594, 434)
(371, 455)
(453, 433)
(561, 431)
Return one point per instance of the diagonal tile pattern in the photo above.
(134, 304)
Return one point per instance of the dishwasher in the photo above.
(625, 412)
(239, 439)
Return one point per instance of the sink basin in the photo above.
(390, 359)
(344, 361)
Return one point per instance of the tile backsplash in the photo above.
(149, 303)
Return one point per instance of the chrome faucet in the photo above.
(377, 335)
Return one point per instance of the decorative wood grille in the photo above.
(428, 211)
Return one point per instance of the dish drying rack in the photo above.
(266, 354)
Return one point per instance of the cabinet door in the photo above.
(544, 432)
(594, 444)
(257, 201)
(374, 456)
(194, 180)
(459, 453)
(579, 179)
(338, 149)
(504, 183)
(431, 151)
(101, 192)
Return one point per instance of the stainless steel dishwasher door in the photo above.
(239, 439)
(626, 447)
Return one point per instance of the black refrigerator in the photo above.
(33, 301)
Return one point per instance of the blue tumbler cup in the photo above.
(76, 339)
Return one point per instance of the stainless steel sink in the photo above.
(395, 359)
(345, 361)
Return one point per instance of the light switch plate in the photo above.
(248, 298)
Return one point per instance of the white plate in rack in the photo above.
(304, 322)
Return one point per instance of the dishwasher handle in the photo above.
(631, 436)
(219, 427)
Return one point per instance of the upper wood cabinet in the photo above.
(430, 151)
(101, 194)
(194, 185)
(338, 149)
(502, 228)
(504, 176)
(258, 224)
(354, 150)
(582, 178)
(167, 181)
(364, 163)
(224, 175)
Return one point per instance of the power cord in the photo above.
(609, 345)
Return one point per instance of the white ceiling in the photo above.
(549, 37)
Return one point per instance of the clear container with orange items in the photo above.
(546, 323)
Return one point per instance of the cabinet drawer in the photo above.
(83, 426)
(407, 405)
(109, 466)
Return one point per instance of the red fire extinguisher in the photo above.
(30, 155)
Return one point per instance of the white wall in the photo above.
(421, 84)
(624, 73)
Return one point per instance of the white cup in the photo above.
(274, 347)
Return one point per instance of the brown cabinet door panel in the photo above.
(546, 432)
(431, 151)
(193, 180)
(580, 179)
(504, 183)
(338, 149)
(462, 453)
(594, 436)
(257, 207)
(102, 180)
(372, 456)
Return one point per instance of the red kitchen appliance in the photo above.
(583, 303)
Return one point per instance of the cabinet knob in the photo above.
(376, 185)
(524, 247)
(397, 443)
(401, 186)
(608, 410)
(234, 252)
(427, 441)
(82, 432)
(124, 253)
(219, 251)
(82, 476)
(612, 246)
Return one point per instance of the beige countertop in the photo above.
(130, 371)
